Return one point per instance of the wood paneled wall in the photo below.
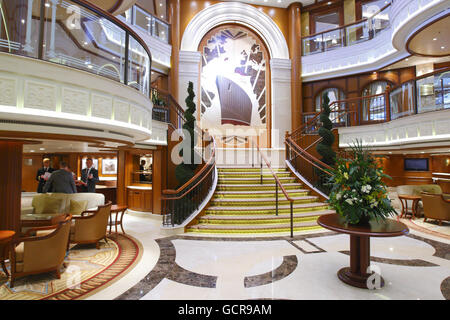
(394, 166)
(353, 85)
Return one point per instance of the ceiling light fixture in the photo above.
(442, 47)
(434, 39)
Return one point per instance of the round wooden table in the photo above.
(119, 211)
(404, 200)
(357, 274)
(5, 237)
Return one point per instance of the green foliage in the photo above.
(185, 171)
(324, 147)
(358, 192)
(157, 101)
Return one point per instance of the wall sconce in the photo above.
(447, 162)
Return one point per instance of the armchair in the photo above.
(436, 206)
(44, 252)
(91, 226)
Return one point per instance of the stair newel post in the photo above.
(292, 219)
(276, 196)
(261, 170)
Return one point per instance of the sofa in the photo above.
(32, 208)
(415, 190)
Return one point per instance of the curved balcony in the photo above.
(369, 44)
(77, 34)
(68, 66)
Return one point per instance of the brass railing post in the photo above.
(276, 196)
(292, 219)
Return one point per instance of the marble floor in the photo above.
(416, 266)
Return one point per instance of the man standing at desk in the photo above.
(89, 177)
(43, 174)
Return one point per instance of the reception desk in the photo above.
(140, 198)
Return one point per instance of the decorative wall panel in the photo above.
(39, 95)
(234, 78)
(75, 101)
(8, 95)
(101, 106)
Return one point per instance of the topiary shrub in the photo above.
(185, 171)
(324, 148)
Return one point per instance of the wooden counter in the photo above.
(140, 198)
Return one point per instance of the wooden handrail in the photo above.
(305, 155)
(196, 176)
(347, 25)
(278, 182)
(426, 75)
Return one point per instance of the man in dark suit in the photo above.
(89, 177)
(61, 181)
(41, 175)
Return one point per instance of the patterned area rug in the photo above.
(87, 271)
(430, 227)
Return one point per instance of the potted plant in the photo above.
(358, 193)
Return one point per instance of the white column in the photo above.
(281, 107)
(189, 70)
(28, 47)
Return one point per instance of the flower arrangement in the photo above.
(358, 192)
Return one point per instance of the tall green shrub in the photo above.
(185, 171)
(324, 148)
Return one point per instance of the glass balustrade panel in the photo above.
(142, 19)
(357, 32)
(333, 39)
(77, 37)
(402, 100)
(139, 67)
(19, 27)
(433, 92)
(160, 30)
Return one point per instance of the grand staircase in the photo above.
(242, 205)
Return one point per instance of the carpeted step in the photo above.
(250, 169)
(263, 219)
(259, 194)
(251, 202)
(252, 228)
(257, 186)
(297, 208)
(253, 175)
(268, 180)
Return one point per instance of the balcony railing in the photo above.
(350, 34)
(147, 22)
(429, 92)
(76, 34)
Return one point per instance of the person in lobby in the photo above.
(89, 176)
(61, 181)
(142, 169)
(42, 175)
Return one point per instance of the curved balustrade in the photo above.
(429, 92)
(77, 34)
(147, 22)
(180, 204)
(350, 34)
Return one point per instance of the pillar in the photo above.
(121, 191)
(11, 184)
(174, 18)
(295, 52)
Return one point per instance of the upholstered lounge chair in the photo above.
(41, 253)
(436, 206)
(91, 226)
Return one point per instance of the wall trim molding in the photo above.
(239, 13)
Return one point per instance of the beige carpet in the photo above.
(88, 270)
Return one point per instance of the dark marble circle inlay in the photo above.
(288, 266)
(445, 288)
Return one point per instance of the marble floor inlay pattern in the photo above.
(280, 267)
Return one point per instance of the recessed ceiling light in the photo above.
(162, 16)
(85, 43)
(422, 152)
(329, 2)
(23, 21)
(434, 39)
(31, 150)
(90, 66)
(406, 59)
(47, 4)
(160, 4)
(442, 47)
(41, 148)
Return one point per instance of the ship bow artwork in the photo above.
(235, 104)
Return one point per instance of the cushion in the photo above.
(38, 203)
(52, 205)
(77, 207)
